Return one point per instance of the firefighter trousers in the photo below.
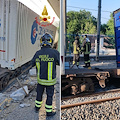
(76, 59)
(87, 60)
(49, 92)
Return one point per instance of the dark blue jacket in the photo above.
(46, 60)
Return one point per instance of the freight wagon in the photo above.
(20, 32)
(116, 15)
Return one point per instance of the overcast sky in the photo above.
(92, 6)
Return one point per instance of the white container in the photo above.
(16, 22)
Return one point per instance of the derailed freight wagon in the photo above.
(21, 29)
(19, 33)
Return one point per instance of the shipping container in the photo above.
(116, 15)
(20, 31)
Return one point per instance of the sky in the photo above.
(107, 6)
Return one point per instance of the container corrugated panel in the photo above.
(116, 15)
(17, 23)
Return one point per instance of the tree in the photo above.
(81, 22)
(110, 24)
(104, 28)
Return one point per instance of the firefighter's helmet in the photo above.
(46, 39)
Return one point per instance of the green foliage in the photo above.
(110, 30)
(104, 28)
(110, 24)
(81, 22)
(110, 41)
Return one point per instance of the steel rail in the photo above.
(89, 102)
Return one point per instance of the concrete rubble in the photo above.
(24, 105)
(19, 94)
(32, 72)
(5, 101)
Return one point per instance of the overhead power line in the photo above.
(94, 16)
(87, 9)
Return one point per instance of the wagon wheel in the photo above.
(5, 81)
(1, 83)
(87, 85)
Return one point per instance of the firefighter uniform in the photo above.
(76, 51)
(86, 47)
(46, 60)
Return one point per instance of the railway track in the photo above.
(89, 102)
(90, 94)
(100, 106)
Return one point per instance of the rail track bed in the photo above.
(100, 106)
(83, 97)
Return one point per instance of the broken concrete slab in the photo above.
(19, 94)
(32, 72)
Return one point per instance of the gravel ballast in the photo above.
(108, 110)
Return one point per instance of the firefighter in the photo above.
(46, 60)
(86, 46)
(76, 51)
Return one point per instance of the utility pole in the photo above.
(62, 41)
(65, 26)
(98, 29)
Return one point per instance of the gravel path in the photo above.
(108, 110)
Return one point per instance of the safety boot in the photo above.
(88, 65)
(78, 64)
(50, 113)
(85, 66)
(37, 109)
